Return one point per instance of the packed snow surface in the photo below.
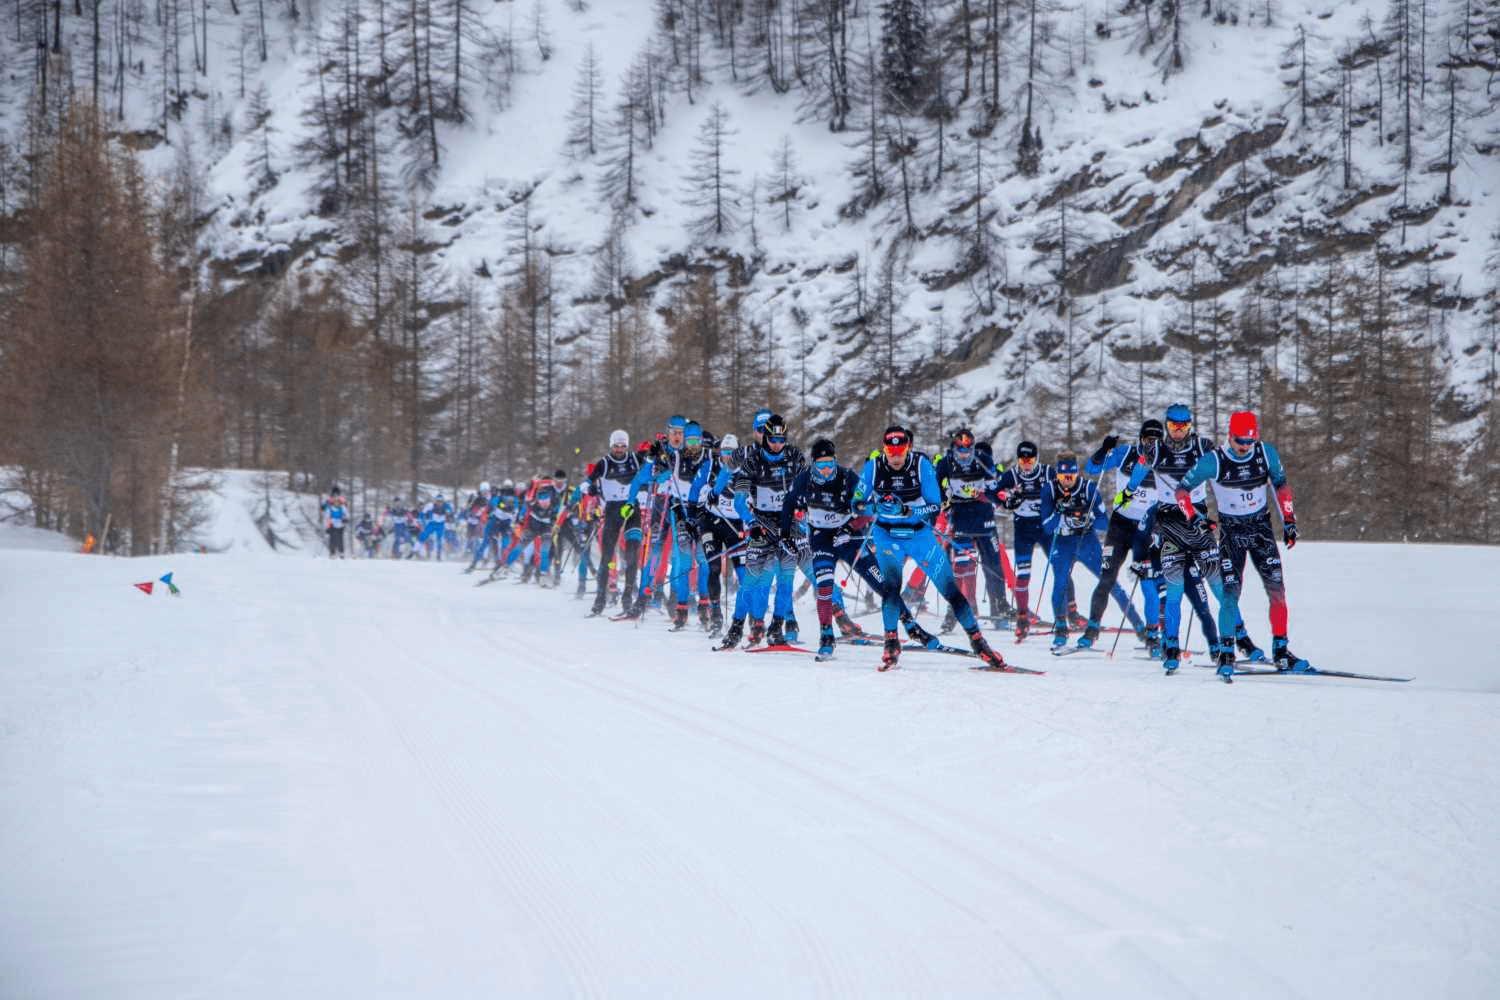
(370, 779)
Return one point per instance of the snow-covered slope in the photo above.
(306, 778)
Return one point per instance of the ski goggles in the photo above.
(964, 442)
(1027, 462)
(896, 445)
(1242, 444)
(1179, 426)
(693, 440)
(775, 439)
(824, 468)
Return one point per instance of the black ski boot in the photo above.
(704, 621)
(1286, 660)
(679, 617)
(775, 636)
(715, 620)
(982, 649)
(733, 636)
(847, 626)
(950, 622)
(793, 633)
(757, 632)
(890, 656)
(919, 635)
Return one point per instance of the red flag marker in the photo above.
(145, 588)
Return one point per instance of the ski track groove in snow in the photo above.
(955, 836)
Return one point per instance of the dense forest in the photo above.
(248, 233)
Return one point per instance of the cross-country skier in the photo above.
(760, 487)
(1020, 488)
(969, 489)
(1175, 456)
(1244, 474)
(1127, 532)
(335, 516)
(611, 482)
(435, 517)
(905, 496)
(1073, 513)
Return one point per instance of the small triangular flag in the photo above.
(167, 579)
(176, 590)
(145, 588)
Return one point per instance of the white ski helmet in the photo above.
(728, 442)
(619, 438)
(484, 487)
(509, 484)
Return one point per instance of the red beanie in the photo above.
(1242, 424)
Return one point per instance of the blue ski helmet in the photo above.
(761, 416)
(1180, 413)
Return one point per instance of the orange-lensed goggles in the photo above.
(1179, 425)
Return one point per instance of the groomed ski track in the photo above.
(369, 780)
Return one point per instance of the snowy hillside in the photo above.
(305, 778)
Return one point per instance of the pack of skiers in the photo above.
(687, 522)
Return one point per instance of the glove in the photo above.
(1012, 500)
(890, 506)
(1109, 443)
(789, 549)
(1141, 569)
(1289, 533)
(1123, 498)
(655, 451)
(1202, 523)
(757, 533)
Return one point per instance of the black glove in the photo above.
(1013, 501)
(757, 533)
(1141, 569)
(1201, 523)
(1110, 440)
(655, 451)
(789, 549)
(1289, 533)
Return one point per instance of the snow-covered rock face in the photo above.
(1218, 161)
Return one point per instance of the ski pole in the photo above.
(1124, 615)
(1051, 550)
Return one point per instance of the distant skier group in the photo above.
(678, 521)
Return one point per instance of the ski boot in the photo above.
(525, 574)
(733, 636)
(920, 635)
(1153, 641)
(1171, 656)
(705, 621)
(757, 632)
(1286, 660)
(1090, 635)
(1023, 626)
(1059, 636)
(991, 659)
(1248, 649)
(715, 619)
(598, 608)
(891, 654)
(583, 588)
(1076, 620)
(679, 617)
(825, 643)
(1225, 660)
(776, 635)
(847, 627)
(950, 622)
(793, 633)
